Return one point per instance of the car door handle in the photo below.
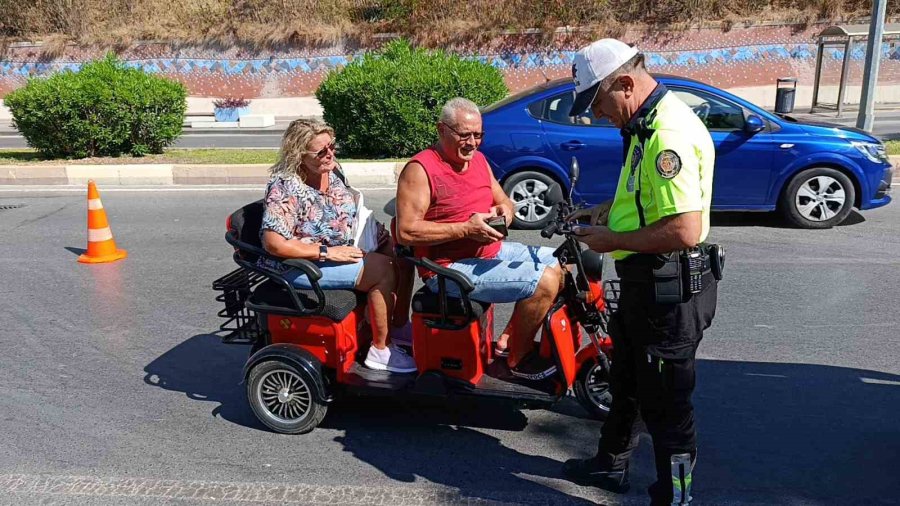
(573, 145)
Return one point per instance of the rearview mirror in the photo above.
(754, 124)
(554, 195)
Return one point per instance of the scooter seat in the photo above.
(270, 297)
(427, 302)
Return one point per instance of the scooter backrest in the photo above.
(243, 226)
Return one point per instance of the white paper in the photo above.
(365, 228)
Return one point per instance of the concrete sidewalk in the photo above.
(358, 174)
(362, 174)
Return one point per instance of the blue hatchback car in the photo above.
(813, 173)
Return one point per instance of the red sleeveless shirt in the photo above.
(454, 197)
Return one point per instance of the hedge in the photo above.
(387, 103)
(103, 109)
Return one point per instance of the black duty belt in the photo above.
(675, 276)
(639, 267)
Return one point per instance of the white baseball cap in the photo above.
(594, 63)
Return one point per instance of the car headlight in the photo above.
(874, 151)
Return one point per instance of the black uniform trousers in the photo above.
(652, 373)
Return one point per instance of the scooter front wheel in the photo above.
(284, 397)
(592, 389)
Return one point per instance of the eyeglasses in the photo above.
(465, 136)
(322, 153)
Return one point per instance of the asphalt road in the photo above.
(114, 390)
(886, 126)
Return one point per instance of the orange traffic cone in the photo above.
(101, 246)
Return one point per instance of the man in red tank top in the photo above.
(445, 194)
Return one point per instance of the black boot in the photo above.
(591, 472)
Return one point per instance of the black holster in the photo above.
(675, 276)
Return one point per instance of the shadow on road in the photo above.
(768, 433)
(797, 431)
(204, 369)
(408, 441)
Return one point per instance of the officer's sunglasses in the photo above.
(467, 135)
(322, 153)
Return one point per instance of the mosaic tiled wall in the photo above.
(744, 57)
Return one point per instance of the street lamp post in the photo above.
(870, 73)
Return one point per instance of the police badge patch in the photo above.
(668, 164)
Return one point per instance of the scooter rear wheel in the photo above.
(285, 398)
(592, 389)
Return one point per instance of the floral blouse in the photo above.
(297, 211)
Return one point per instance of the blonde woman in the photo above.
(309, 214)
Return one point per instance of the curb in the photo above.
(358, 174)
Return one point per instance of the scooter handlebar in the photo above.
(549, 230)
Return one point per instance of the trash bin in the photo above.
(784, 95)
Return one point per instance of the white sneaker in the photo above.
(391, 359)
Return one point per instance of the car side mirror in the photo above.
(754, 124)
(574, 170)
(554, 195)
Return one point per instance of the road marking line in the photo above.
(873, 381)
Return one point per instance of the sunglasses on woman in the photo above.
(322, 153)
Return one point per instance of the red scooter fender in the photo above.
(561, 328)
(586, 354)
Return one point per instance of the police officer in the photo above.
(654, 227)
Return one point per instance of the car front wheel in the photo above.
(820, 197)
(528, 192)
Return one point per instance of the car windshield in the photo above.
(522, 94)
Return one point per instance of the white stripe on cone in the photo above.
(100, 234)
(94, 204)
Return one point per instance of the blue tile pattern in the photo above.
(503, 61)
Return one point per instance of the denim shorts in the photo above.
(510, 276)
(335, 276)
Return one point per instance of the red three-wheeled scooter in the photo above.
(309, 344)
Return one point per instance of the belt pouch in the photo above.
(667, 281)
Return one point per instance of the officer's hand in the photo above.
(600, 239)
(477, 229)
(598, 214)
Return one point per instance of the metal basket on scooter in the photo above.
(611, 291)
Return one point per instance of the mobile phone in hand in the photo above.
(498, 223)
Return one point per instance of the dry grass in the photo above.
(272, 23)
(893, 147)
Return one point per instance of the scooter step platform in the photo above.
(361, 376)
(498, 381)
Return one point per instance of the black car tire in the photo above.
(528, 191)
(592, 389)
(298, 415)
(820, 197)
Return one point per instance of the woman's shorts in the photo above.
(335, 276)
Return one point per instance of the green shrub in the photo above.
(104, 109)
(387, 103)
